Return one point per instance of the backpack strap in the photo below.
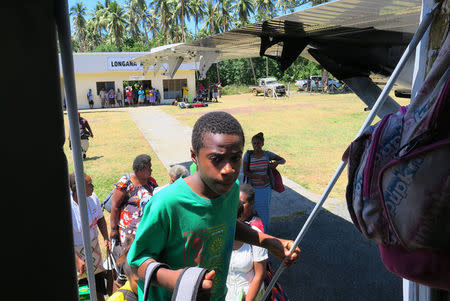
(151, 269)
(188, 284)
(128, 295)
(249, 154)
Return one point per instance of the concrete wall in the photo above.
(102, 67)
(86, 81)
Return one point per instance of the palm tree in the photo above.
(163, 9)
(154, 24)
(144, 16)
(98, 19)
(211, 15)
(132, 15)
(197, 12)
(115, 23)
(243, 9)
(93, 36)
(265, 9)
(225, 19)
(184, 9)
(78, 11)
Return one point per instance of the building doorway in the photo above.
(173, 88)
(136, 84)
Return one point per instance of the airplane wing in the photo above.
(358, 41)
(364, 35)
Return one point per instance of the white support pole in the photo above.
(421, 53)
(65, 43)
(413, 291)
(378, 104)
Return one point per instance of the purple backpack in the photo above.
(398, 190)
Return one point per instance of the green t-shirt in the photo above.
(182, 229)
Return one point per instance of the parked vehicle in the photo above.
(316, 83)
(268, 86)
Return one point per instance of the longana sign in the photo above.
(123, 64)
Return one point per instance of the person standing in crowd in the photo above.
(141, 94)
(129, 99)
(85, 133)
(96, 222)
(90, 99)
(103, 97)
(128, 198)
(175, 172)
(135, 96)
(119, 97)
(210, 92)
(219, 89)
(152, 97)
(185, 93)
(111, 98)
(192, 223)
(147, 95)
(257, 172)
(215, 89)
(245, 279)
(158, 97)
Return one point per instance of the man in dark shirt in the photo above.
(85, 133)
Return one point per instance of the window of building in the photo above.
(104, 85)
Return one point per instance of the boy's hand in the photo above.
(280, 248)
(207, 282)
(204, 293)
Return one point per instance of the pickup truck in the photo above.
(268, 86)
(303, 83)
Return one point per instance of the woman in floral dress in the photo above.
(129, 198)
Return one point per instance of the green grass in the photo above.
(311, 131)
(234, 89)
(117, 141)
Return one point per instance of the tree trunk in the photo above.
(253, 70)
(324, 81)
(183, 34)
(146, 32)
(218, 75)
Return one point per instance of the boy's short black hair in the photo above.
(217, 122)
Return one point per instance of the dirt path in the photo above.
(251, 109)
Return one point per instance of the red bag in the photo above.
(277, 184)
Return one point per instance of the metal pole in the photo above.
(65, 43)
(383, 95)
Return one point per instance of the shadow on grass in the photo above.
(93, 158)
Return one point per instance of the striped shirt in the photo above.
(259, 166)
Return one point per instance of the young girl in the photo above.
(245, 280)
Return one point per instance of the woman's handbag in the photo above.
(276, 181)
(111, 274)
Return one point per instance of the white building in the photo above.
(114, 70)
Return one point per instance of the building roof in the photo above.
(101, 62)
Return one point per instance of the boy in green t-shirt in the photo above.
(193, 221)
